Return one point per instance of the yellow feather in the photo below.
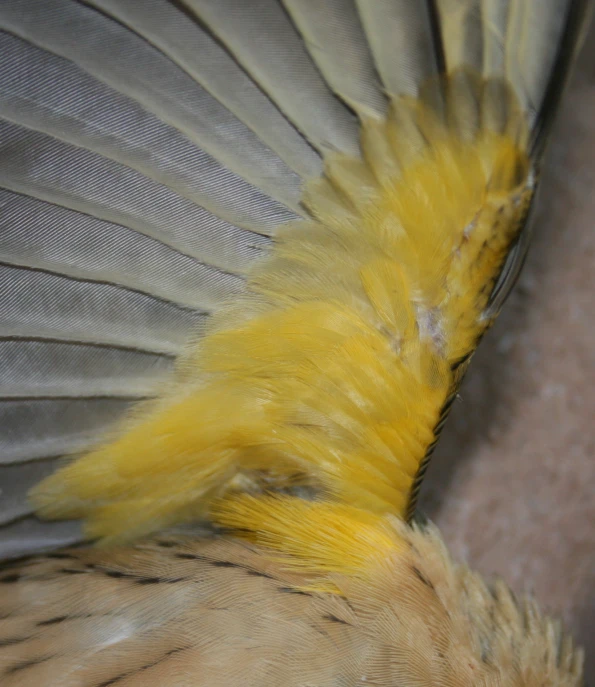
(331, 372)
(314, 538)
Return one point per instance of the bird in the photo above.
(249, 249)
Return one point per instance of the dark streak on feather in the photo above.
(113, 680)
(123, 676)
(60, 556)
(160, 580)
(52, 621)
(224, 564)
(191, 557)
(23, 665)
(420, 576)
(334, 619)
(292, 590)
(258, 573)
(72, 571)
(139, 579)
(116, 574)
(8, 579)
(13, 640)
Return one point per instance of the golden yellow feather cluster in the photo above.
(332, 370)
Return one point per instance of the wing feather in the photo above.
(151, 149)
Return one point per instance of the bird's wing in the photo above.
(150, 151)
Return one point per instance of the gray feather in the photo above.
(48, 237)
(46, 168)
(47, 306)
(522, 41)
(46, 428)
(495, 25)
(21, 478)
(535, 28)
(191, 47)
(132, 66)
(50, 94)
(42, 369)
(21, 537)
(267, 45)
(461, 28)
(402, 41)
(334, 37)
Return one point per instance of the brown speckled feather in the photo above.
(187, 611)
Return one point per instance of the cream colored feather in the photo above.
(182, 612)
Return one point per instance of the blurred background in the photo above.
(512, 482)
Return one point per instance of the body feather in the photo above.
(181, 611)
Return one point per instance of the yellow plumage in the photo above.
(318, 539)
(332, 371)
(388, 149)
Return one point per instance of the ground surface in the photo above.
(512, 485)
